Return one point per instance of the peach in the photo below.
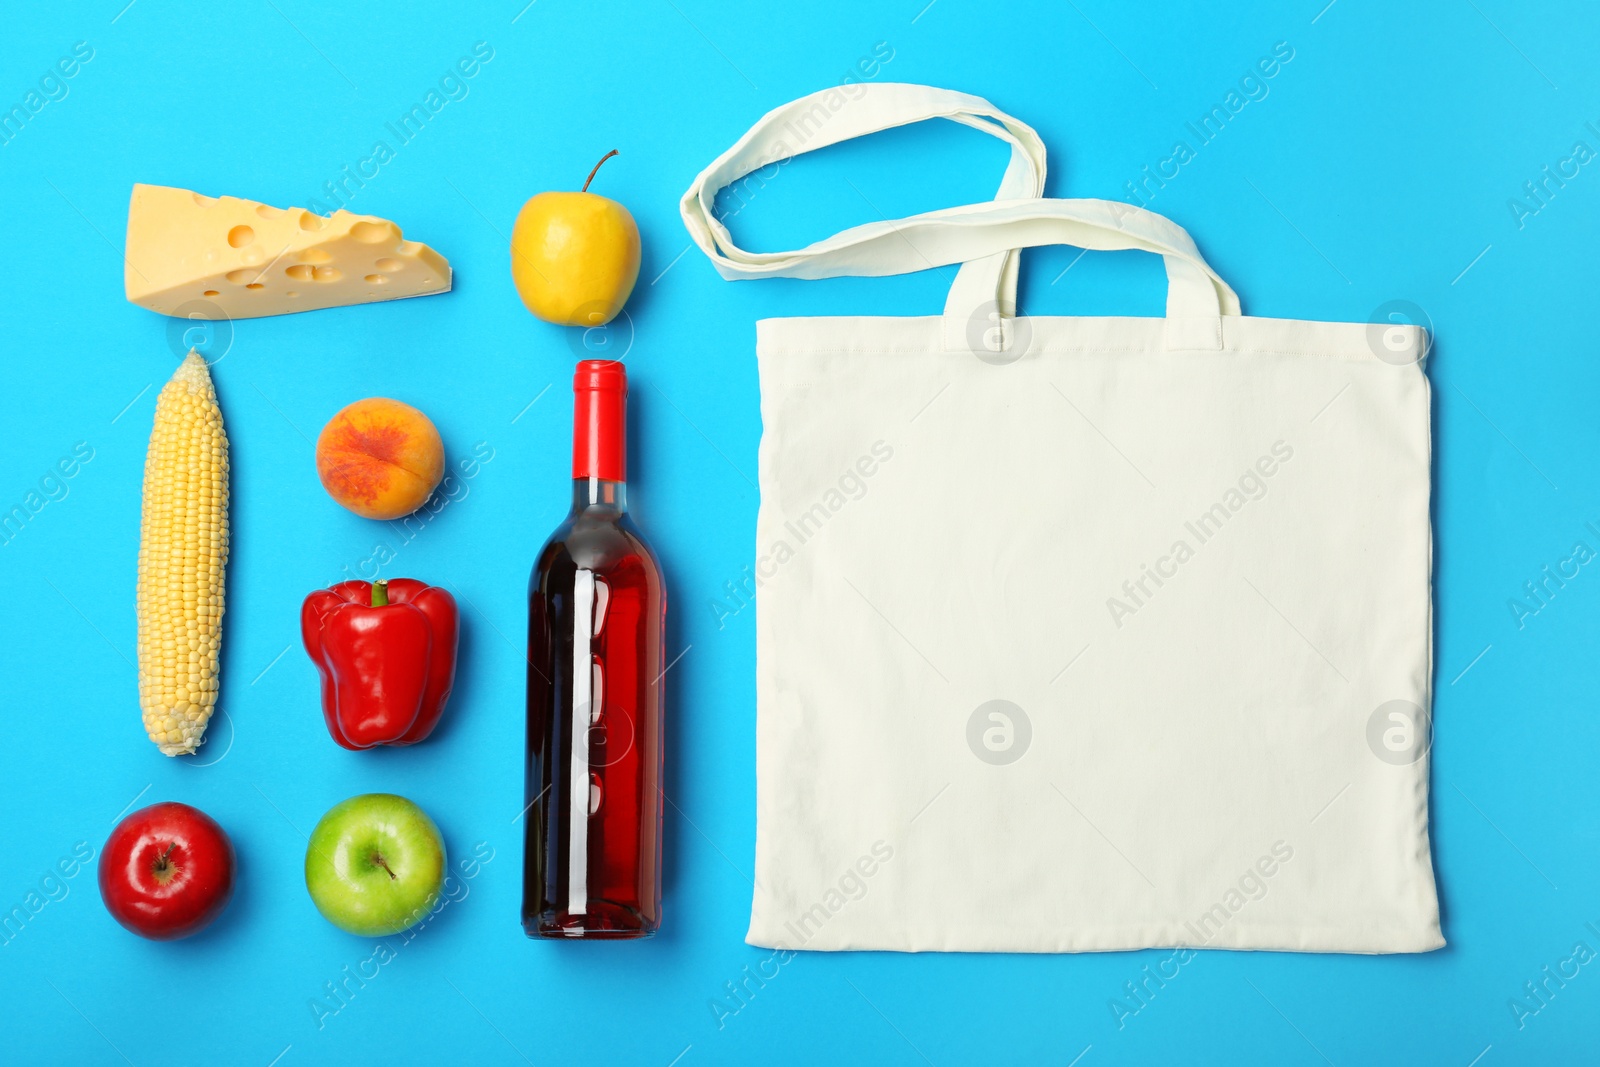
(380, 458)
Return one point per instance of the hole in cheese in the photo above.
(389, 266)
(308, 221)
(210, 292)
(374, 232)
(267, 211)
(376, 279)
(239, 277)
(203, 200)
(255, 285)
(240, 236)
(327, 274)
(300, 272)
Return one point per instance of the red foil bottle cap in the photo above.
(599, 424)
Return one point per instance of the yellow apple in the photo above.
(575, 256)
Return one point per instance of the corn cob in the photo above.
(183, 547)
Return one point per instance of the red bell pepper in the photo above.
(386, 652)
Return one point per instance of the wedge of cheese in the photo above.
(208, 257)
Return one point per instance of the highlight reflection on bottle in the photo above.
(596, 612)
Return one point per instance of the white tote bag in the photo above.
(1078, 633)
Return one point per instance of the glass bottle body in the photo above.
(592, 825)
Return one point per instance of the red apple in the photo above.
(166, 871)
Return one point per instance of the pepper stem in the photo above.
(380, 593)
(596, 170)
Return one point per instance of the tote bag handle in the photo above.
(984, 237)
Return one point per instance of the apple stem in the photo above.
(377, 857)
(596, 170)
(162, 867)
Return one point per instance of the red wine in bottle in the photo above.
(596, 611)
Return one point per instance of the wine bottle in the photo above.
(596, 613)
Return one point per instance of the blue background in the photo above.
(1378, 167)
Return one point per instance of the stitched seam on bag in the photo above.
(1361, 357)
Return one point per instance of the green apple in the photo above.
(375, 864)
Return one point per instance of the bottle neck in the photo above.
(599, 494)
